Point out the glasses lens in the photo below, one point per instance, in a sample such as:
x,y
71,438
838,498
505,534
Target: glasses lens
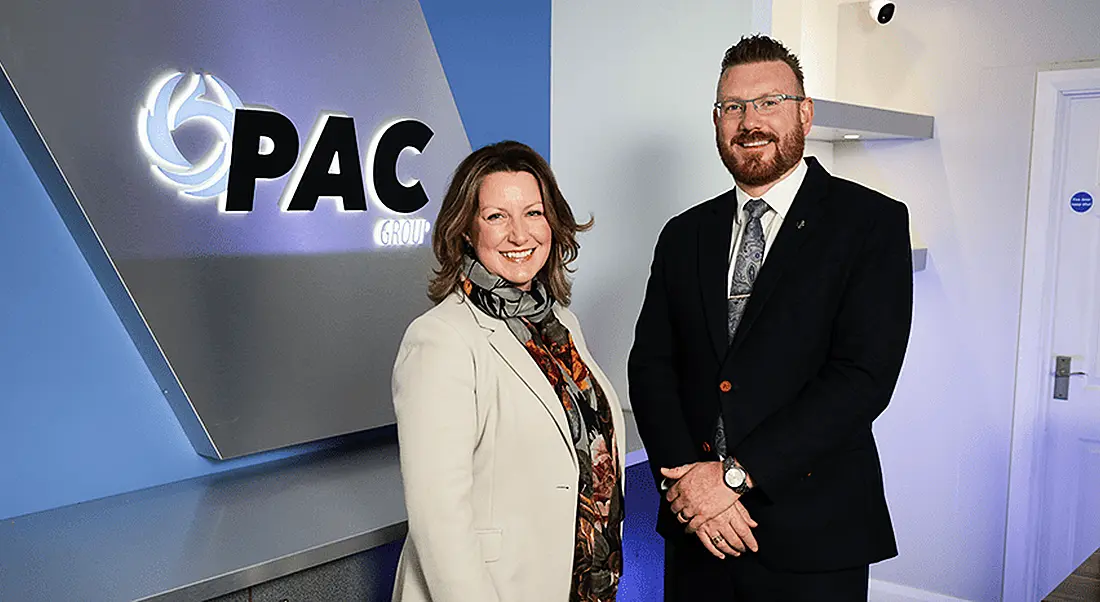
x,y
730,109
768,104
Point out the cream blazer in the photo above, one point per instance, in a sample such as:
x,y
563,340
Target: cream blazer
x,y
487,460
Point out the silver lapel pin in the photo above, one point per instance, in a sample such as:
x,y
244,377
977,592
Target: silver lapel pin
x,y
801,223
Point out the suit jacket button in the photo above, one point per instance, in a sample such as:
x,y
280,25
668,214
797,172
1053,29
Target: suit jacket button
x,y
706,447
725,386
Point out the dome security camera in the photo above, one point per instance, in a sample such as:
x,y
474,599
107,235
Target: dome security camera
x,y
882,11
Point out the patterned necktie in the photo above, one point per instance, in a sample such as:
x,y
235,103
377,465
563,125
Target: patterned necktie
x,y
750,254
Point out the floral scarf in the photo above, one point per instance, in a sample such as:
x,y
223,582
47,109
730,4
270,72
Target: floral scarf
x,y
597,552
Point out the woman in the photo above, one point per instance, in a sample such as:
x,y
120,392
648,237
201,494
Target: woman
x,y
511,438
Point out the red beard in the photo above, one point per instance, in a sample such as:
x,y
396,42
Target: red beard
x,y
758,171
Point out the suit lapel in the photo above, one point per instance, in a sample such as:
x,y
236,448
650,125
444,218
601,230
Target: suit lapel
x,y
519,360
714,251
801,221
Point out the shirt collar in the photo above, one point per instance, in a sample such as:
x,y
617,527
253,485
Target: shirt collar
x,y
779,197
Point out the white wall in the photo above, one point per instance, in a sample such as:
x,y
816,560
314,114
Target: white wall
x,y
632,143
945,439
808,28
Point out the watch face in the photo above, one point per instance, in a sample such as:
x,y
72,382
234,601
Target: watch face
x,y
735,477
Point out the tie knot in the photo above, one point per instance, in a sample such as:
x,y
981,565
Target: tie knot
x,y
756,208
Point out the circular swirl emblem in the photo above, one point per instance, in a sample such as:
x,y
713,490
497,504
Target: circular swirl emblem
x,y
174,100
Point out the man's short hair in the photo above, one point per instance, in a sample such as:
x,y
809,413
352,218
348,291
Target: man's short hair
x,y
762,49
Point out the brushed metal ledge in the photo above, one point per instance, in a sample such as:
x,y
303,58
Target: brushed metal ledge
x,y
209,536
217,534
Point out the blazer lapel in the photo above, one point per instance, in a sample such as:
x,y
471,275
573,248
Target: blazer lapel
x,y
519,360
714,251
801,221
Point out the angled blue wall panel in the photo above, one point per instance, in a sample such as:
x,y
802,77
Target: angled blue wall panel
x,y
496,55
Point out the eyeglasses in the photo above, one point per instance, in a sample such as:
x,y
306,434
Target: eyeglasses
x,y
764,105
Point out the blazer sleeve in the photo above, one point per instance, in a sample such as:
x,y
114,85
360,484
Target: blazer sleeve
x,y
435,401
870,333
652,375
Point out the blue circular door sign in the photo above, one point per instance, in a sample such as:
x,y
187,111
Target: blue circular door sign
x,y
1081,202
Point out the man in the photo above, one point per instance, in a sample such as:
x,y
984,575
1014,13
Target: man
x,y
772,333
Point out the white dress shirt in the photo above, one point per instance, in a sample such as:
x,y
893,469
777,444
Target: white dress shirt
x,y
779,198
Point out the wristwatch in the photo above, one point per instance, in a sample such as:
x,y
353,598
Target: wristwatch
x,y
734,476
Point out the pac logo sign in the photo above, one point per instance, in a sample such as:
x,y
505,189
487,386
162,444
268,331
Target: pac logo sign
x,y
200,98
256,143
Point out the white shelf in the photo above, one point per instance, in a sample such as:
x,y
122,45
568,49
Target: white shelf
x,y
834,120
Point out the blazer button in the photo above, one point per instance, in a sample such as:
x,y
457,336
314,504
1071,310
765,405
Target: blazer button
x,y
706,447
725,386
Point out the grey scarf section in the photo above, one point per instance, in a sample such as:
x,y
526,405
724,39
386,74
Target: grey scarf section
x,y
503,300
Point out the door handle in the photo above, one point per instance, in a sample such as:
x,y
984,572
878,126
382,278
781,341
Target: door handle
x,y
1062,372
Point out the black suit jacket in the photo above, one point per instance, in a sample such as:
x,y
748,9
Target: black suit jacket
x,y
814,362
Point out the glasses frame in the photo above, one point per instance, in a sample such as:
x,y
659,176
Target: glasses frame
x,y
722,113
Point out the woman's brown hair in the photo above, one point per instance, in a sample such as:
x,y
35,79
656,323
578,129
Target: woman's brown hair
x,y
460,207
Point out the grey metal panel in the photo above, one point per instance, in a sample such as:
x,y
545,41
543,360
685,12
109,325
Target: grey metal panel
x,y
211,536
305,365
264,329
920,259
833,120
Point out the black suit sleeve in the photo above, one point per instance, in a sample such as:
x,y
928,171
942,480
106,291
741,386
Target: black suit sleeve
x,y
870,333
651,372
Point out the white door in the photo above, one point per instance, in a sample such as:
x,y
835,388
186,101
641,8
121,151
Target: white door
x,y
1054,483
1069,525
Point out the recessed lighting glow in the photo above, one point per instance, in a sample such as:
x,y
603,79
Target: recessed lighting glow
x,y
851,136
